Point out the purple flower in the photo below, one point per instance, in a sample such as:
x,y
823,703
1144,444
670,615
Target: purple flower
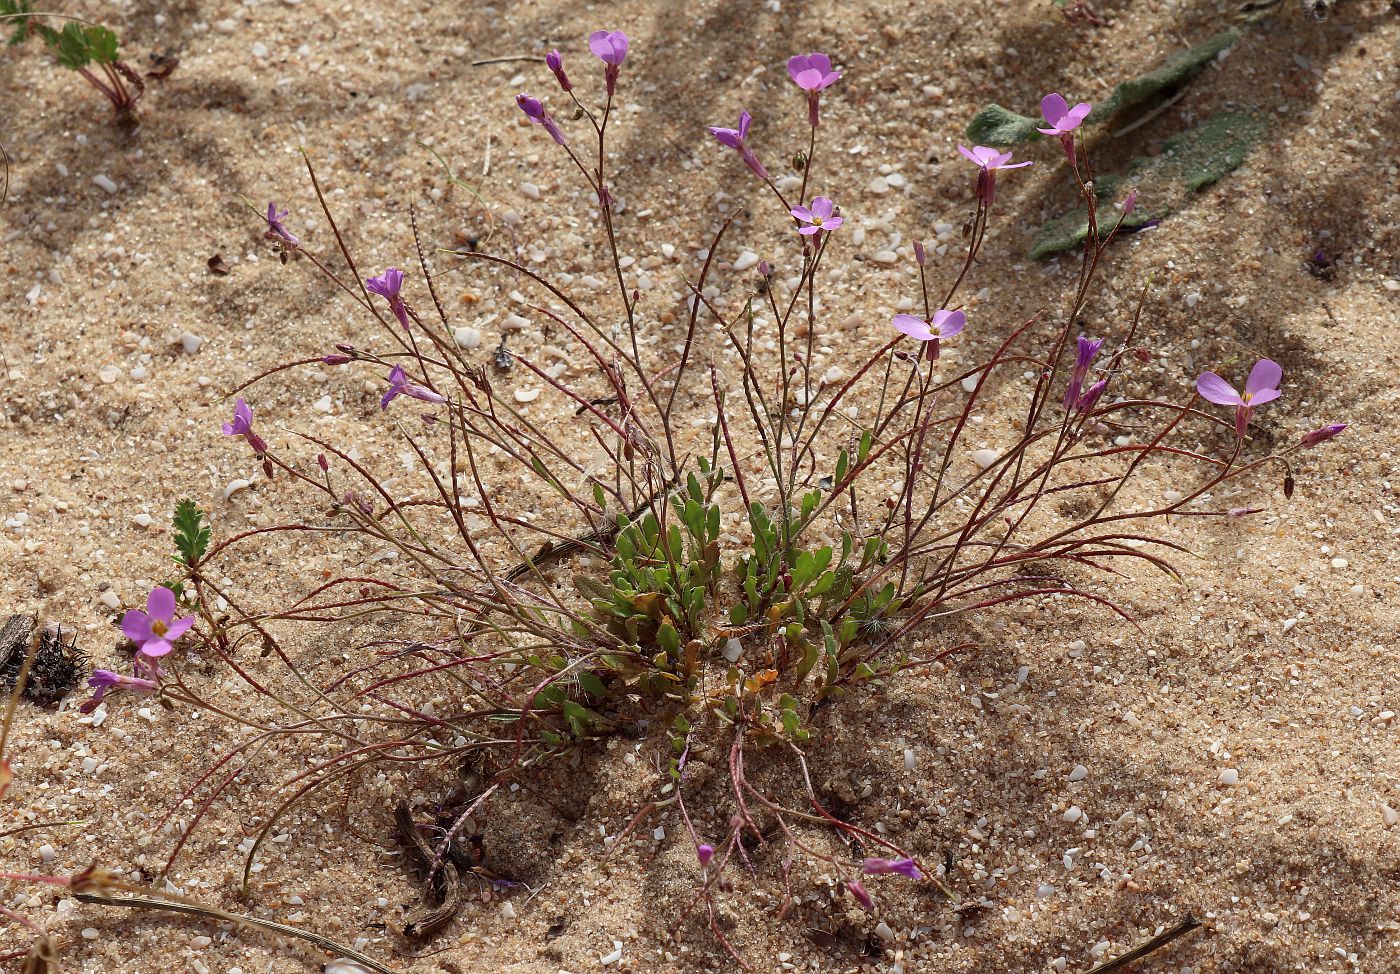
x,y
104,680
388,285
859,892
988,161
400,386
555,62
1063,120
944,324
903,867
704,852
610,47
242,425
1059,116
155,629
275,229
1323,435
817,218
1259,388
812,72
1088,348
536,113
735,139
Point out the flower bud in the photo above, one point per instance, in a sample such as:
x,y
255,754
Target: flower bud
x,y
1129,202
1323,435
704,852
919,254
335,359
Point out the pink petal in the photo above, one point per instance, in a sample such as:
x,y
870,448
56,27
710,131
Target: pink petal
x,y
971,156
1267,395
1080,112
161,603
803,214
1217,390
916,328
821,62
949,323
1266,374
1053,107
822,207
136,626
1054,131
832,222
155,647
1015,165
178,628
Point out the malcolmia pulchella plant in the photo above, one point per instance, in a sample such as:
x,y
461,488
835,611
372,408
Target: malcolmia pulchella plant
x,y
554,583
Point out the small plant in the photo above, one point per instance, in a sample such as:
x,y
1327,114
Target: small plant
x,y
89,49
726,582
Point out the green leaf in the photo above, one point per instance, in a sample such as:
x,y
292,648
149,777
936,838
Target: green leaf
x,y
102,45
668,639
1001,127
192,534
1189,162
592,685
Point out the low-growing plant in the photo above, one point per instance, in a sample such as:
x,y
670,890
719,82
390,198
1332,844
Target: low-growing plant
x,y
722,582
87,48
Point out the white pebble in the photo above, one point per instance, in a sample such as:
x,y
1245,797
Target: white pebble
x,y
467,337
89,933
508,910
883,931
234,486
1388,815
47,852
1340,563
1192,298
259,49
515,323
609,959
878,184
1059,964
143,520
110,600
527,395
530,190
89,765
323,405
110,187
190,342
896,180
1079,773
745,260
1044,891
1072,814
884,257
969,383
910,761
1229,777
733,649
200,942
985,458
343,965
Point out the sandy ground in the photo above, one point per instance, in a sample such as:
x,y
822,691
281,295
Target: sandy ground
x,y
1275,661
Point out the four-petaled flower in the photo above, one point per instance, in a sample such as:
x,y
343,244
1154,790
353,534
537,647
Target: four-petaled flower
x,y
388,285
988,162
902,867
1259,388
1323,435
536,113
812,72
103,680
1075,398
704,852
610,47
943,324
242,425
735,139
817,217
155,629
400,386
1063,120
275,229
555,62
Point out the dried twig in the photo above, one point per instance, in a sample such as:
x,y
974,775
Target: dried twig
x,y
1142,950
194,909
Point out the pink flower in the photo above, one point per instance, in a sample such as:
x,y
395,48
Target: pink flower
x,y
944,324
704,852
859,892
817,218
902,867
104,680
400,386
1060,117
812,72
1259,388
154,630
275,229
242,425
610,47
1323,435
388,285
735,139
535,112
1088,348
988,161
555,62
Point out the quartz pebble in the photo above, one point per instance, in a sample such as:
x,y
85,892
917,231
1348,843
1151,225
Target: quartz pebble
x,y
234,486
1079,773
883,931
745,260
467,337
200,942
105,183
527,395
530,190
1229,777
1072,814
1388,815
884,257
985,458
609,959
190,342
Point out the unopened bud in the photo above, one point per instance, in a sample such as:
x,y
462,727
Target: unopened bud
x,y
1323,435
335,359
919,254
